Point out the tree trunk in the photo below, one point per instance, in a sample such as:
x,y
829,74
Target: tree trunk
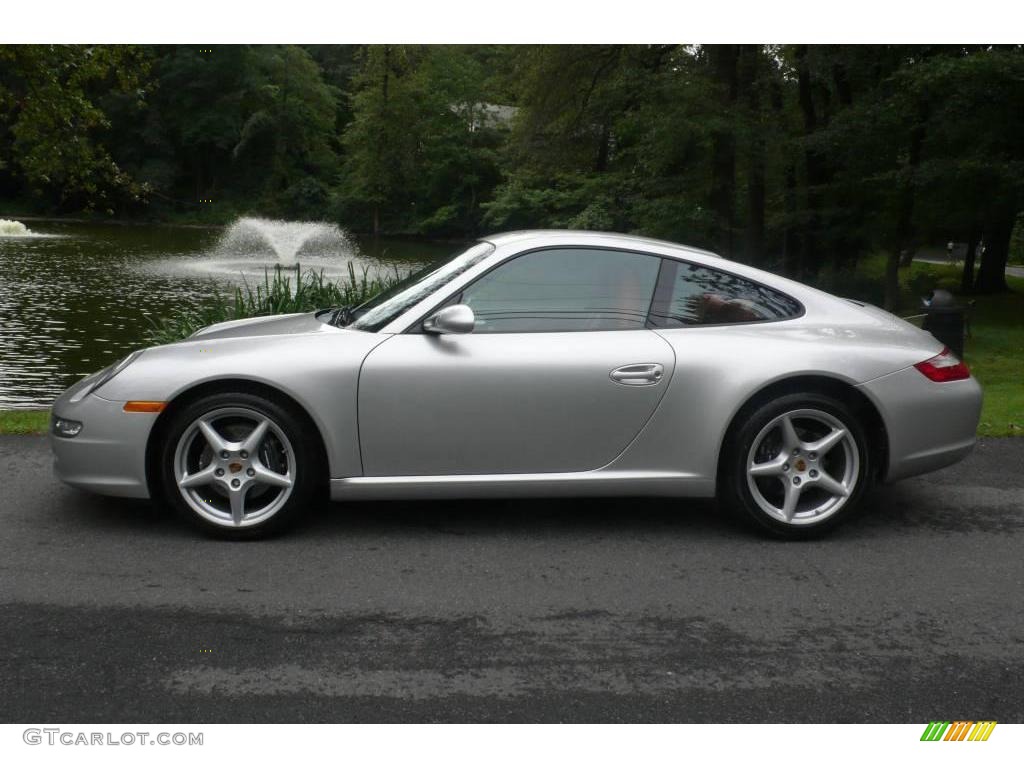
x,y
905,209
992,271
967,278
892,276
603,149
755,206
792,244
892,280
816,175
197,166
723,190
750,67
382,189
723,60
842,84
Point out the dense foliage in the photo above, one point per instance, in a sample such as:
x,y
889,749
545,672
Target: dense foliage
x,y
799,158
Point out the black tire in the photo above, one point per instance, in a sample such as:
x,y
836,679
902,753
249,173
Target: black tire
x,y
288,446
735,489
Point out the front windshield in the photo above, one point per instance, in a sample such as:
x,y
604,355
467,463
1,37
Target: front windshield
x,y
374,314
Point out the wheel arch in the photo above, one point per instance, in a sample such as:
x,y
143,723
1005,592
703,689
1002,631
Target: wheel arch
x,y
874,424
217,386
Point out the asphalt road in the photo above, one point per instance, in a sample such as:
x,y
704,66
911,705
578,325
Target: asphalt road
x,y
618,610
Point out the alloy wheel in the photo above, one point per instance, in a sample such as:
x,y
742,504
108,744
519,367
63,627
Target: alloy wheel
x,y
234,467
803,466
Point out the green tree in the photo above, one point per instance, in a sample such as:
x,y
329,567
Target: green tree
x,y
797,157
927,148
379,148
578,146
421,144
251,124
52,139
288,133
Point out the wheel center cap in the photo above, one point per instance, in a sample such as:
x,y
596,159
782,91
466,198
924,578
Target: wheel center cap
x,y
800,465
235,467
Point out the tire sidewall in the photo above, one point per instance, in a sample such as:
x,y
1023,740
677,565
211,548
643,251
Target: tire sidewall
x,y
737,491
306,465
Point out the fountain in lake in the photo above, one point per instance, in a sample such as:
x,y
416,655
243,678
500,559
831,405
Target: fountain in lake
x,y
9,228
251,246
283,239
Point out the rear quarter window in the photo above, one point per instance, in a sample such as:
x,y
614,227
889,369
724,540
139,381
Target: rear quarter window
x,y
692,294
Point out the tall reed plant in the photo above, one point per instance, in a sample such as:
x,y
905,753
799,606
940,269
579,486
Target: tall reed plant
x,y
284,290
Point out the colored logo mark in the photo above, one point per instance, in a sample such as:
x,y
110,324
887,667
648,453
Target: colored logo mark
x,y
958,730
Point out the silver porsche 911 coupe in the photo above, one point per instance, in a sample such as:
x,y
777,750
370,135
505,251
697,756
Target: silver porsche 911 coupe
x,y
545,363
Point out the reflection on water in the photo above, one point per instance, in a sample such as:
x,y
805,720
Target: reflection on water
x,y
75,297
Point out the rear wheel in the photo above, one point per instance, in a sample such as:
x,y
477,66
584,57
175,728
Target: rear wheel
x,y
798,466
236,466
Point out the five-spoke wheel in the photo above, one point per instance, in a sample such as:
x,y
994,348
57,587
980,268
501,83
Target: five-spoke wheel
x,y
233,465
802,466
236,464
797,463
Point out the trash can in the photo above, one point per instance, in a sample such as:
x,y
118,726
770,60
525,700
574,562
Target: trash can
x,y
944,319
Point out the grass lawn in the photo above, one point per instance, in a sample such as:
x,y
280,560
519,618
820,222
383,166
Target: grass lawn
x,y
995,351
24,422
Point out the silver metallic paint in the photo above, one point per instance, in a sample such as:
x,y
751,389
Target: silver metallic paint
x,y
108,455
455,319
531,414
504,403
930,425
315,364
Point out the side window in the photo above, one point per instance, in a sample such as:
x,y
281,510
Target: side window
x,y
689,294
565,289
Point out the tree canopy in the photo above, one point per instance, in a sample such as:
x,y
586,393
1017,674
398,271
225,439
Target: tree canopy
x,y
793,157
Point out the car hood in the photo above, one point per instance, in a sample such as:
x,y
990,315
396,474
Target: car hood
x,y
272,325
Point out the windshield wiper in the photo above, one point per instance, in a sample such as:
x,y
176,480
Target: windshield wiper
x,y
339,316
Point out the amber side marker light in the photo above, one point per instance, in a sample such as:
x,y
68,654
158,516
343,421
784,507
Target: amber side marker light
x,y
144,406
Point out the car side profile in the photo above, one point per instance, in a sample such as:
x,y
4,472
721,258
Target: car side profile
x,y
540,363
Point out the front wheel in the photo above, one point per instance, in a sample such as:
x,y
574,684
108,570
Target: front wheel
x,y
798,465
236,465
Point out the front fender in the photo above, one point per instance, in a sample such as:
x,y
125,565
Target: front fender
x,y
319,370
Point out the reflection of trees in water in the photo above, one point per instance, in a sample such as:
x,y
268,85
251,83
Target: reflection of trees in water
x,y
706,296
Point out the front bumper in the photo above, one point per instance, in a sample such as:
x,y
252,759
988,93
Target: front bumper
x,y
109,455
930,424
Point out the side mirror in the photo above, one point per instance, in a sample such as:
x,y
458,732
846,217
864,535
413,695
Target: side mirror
x,y
454,319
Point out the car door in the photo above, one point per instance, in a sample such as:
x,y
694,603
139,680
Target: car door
x,y
559,374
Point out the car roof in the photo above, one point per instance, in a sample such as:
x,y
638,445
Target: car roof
x,y
538,237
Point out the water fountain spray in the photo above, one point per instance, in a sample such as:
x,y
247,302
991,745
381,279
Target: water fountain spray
x,y
285,239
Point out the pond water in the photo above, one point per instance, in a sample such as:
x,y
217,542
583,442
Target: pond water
x,y
74,297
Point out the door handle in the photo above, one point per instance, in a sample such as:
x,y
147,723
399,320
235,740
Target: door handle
x,y
638,374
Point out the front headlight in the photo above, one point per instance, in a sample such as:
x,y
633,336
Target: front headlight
x,y
111,371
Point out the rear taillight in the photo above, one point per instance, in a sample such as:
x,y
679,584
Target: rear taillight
x,y
945,366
